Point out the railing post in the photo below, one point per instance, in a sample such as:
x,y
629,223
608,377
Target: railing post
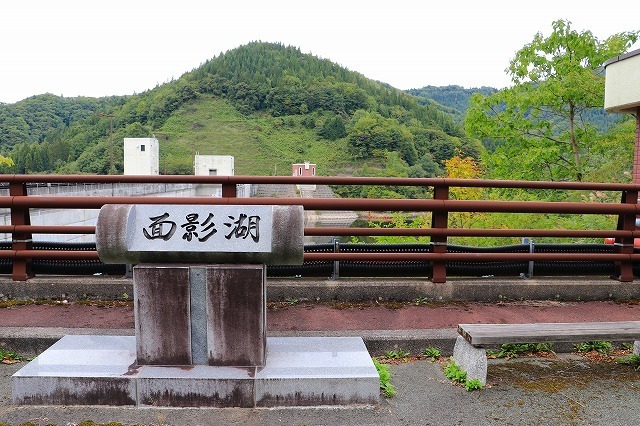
x,y
21,240
531,245
623,270
440,220
336,263
229,190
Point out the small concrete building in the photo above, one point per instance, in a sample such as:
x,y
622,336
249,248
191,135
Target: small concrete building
x,y
214,165
141,156
303,169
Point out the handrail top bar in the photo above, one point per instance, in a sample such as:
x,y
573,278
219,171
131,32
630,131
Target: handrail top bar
x,y
322,180
361,204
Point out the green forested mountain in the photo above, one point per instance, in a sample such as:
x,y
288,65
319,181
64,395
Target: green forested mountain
x,y
266,104
456,98
34,118
456,101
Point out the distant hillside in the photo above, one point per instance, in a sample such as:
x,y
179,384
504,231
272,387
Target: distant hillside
x,y
269,105
36,118
456,98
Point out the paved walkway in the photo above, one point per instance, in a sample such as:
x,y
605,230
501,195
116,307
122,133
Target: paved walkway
x,y
569,390
340,316
532,391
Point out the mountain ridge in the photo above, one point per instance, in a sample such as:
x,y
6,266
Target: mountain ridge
x,y
279,104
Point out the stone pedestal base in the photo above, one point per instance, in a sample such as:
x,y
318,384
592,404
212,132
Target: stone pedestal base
x,y
102,370
200,314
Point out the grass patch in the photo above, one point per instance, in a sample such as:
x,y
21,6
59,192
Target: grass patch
x,y
384,372
599,346
632,360
261,144
514,350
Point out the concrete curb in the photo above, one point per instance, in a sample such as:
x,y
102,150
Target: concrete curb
x,y
351,289
30,341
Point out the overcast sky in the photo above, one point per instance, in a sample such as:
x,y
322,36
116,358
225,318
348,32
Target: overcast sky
x,y
116,47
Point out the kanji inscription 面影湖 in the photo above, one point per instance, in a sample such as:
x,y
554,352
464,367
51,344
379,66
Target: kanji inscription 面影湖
x,y
206,228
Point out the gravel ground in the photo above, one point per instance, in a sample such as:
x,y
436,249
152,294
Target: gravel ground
x,y
568,390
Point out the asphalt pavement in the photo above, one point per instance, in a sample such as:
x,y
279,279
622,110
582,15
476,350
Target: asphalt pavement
x,y
568,389
524,391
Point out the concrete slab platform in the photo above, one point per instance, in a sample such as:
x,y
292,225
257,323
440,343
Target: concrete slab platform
x,y
195,386
87,370
101,370
317,371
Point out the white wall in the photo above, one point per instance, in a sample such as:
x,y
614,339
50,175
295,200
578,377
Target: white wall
x,y
220,165
141,156
87,217
622,83
213,165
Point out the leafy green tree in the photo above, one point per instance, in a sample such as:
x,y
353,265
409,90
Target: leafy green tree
x,y
333,128
426,167
287,98
556,79
372,134
612,155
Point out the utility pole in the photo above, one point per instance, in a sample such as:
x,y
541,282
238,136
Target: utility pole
x,y
100,114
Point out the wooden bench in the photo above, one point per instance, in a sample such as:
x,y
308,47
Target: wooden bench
x,y
470,355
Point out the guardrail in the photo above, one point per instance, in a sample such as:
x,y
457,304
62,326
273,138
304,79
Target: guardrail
x,y
22,253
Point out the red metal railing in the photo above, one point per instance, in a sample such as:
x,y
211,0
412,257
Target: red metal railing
x,y
440,206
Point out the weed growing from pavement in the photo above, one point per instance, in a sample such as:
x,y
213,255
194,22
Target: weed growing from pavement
x,y
397,354
385,379
632,360
105,303
599,346
8,357
421,301
82,301
432,354
10,303
474,384
453,372
389,304
514,350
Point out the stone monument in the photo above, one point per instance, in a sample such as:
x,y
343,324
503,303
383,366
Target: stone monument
x,y
200,320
